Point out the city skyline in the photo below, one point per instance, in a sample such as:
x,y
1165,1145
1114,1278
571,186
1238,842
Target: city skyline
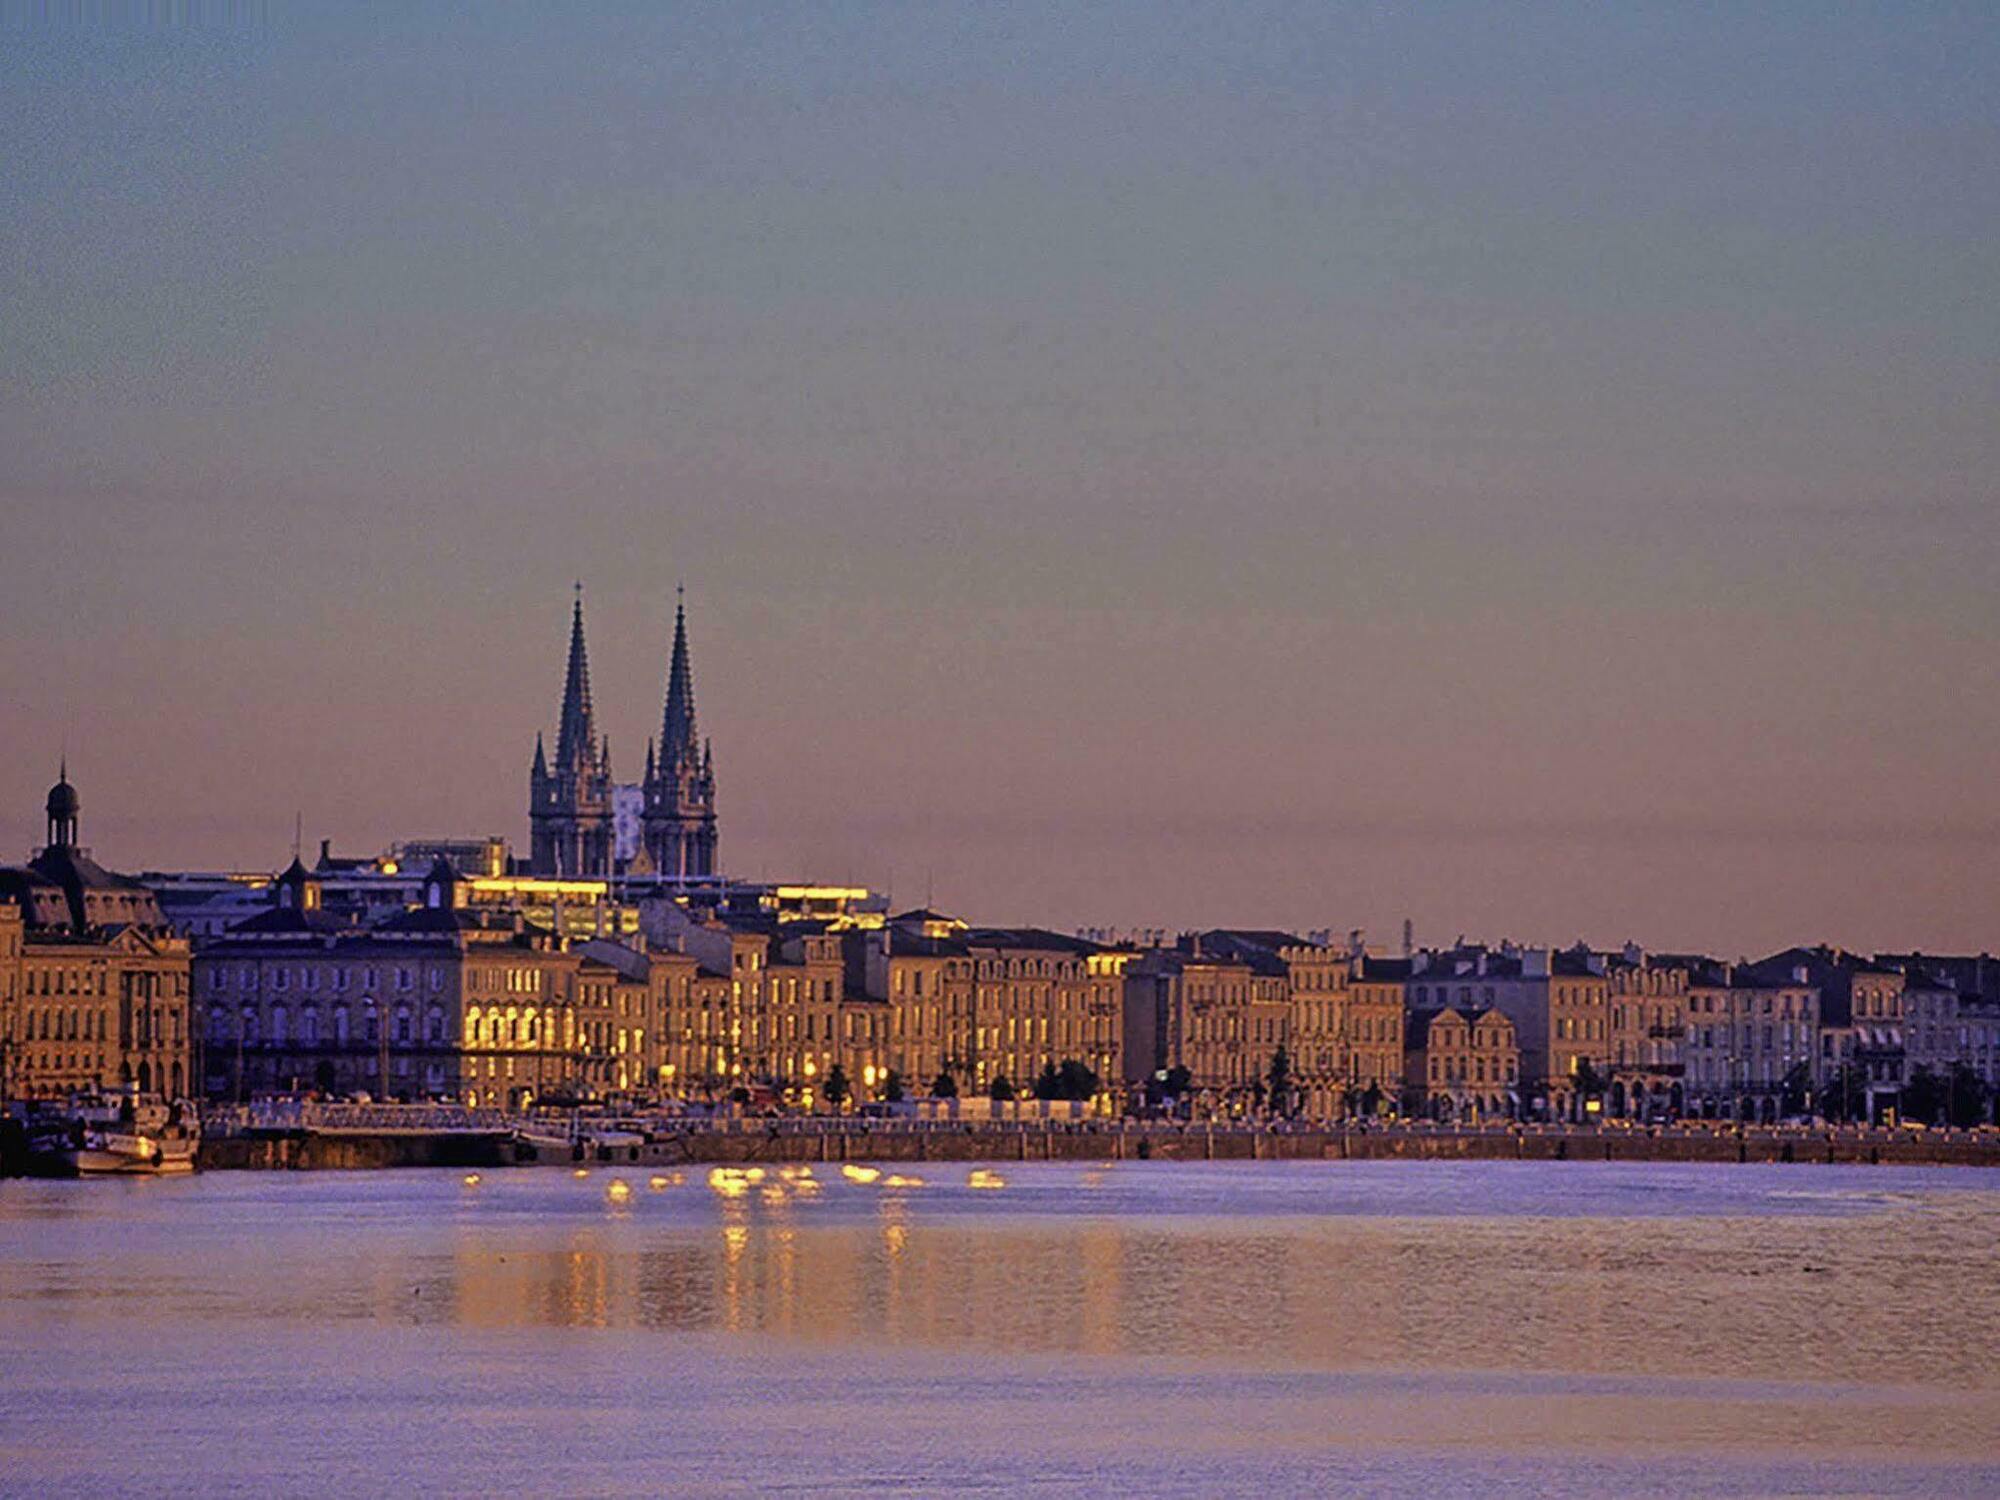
x,y
1525,473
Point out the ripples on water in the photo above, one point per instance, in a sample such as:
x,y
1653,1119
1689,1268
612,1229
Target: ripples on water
x,y
1196,1327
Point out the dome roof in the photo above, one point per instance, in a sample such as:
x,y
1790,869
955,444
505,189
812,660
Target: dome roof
x,y
63,800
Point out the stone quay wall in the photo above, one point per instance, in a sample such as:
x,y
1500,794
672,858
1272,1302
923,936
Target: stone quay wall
x,y
744,1143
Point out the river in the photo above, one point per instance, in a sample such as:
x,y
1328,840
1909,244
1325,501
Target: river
x,y
1139,1328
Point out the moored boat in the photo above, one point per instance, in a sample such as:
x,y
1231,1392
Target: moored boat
x,y
121,1135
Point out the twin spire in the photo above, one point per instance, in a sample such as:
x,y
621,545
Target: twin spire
x,y
578,746
572,803
576,731
677,731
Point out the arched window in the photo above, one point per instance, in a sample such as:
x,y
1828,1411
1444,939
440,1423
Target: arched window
x,y
218,1024
278,1020
370,1025
309,1026
340,1025
434,1025
472,1027
249,1024
403,1024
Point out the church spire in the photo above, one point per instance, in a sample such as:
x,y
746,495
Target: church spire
x,y
677,736
541,756
576,734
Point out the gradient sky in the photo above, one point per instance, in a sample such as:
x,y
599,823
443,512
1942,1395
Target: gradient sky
x,y
1526,468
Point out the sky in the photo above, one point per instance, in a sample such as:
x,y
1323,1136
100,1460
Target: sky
x,y
1529,469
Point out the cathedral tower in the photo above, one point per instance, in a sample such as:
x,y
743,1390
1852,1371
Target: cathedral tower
x,y
569,803
680,780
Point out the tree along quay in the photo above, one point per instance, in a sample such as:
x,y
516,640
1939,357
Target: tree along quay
x,y
748,1142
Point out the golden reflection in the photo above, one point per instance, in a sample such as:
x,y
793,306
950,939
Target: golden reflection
x,y
900,1180
1748,1297
472,1179
985,1180
735,1241
618,1191
659,1181
581,1172
860,1174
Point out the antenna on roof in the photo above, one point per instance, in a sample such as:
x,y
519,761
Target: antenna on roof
x,y
298,832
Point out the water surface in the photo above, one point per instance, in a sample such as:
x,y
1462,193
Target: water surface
x,y
1491,1327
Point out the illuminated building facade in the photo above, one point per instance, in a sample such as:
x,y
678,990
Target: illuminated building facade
x,y
93,984
1648,1068
1460,1065
1374,1033
439,1001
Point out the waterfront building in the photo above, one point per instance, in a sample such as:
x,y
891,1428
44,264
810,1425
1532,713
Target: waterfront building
x,y
440,1000
1860,1019
1040,999
12,940
1316,1035
1648,1033
1315,994
1949,1029
95,993
1752,1045
920,968
1931,1042
1460,1065
1220,1013
1979,1045
765,1006
1374,1031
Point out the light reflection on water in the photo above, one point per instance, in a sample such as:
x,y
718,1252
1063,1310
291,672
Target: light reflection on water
x,y
1640,1310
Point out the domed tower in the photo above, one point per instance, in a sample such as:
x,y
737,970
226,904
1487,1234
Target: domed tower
x,y
63,807
569,803
680,829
